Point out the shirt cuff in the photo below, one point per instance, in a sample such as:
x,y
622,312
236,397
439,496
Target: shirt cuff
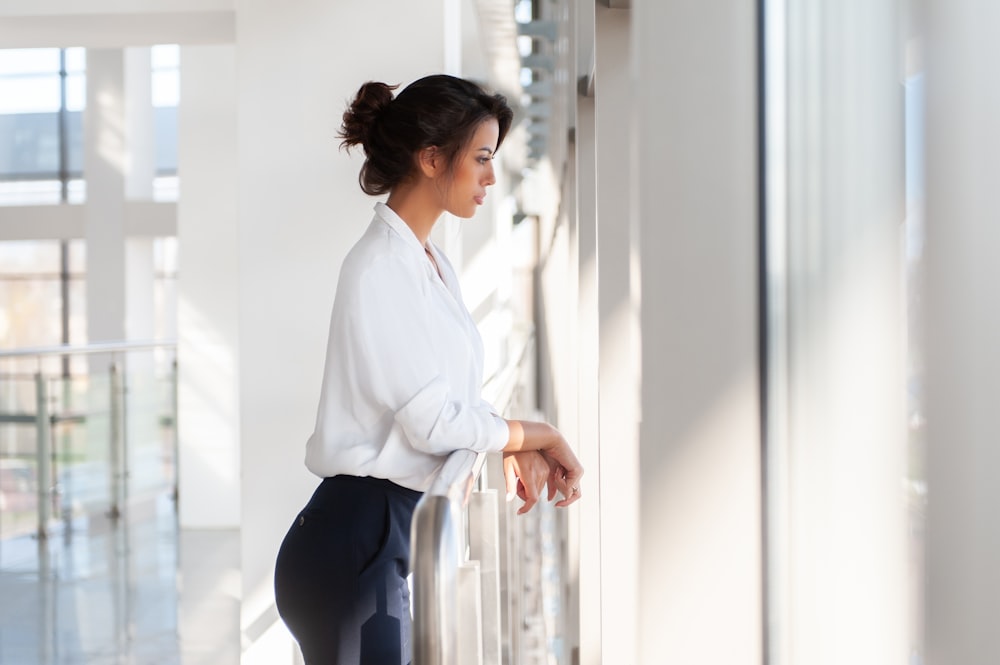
x,y
499,435
435,424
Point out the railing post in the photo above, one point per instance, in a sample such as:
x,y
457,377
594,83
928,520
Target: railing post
x,y
435,592
174,386
484,547
115,442
495,478
63,443
470,623
43,451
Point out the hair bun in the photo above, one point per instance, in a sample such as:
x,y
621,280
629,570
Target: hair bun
x,y
371,101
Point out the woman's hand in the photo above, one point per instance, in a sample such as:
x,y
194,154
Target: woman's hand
x,y
565,469
526,474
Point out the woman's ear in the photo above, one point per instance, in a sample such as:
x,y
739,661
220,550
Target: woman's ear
x,y
430,160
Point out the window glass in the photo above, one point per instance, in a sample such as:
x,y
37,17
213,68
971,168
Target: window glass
x,y
32,127
76,79
166,87
166,92
29,294
29,80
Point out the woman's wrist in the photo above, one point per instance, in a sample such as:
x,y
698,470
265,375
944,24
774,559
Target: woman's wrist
x,y
528,435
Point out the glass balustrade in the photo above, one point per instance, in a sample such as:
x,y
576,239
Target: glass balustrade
x,y
85,439
88,514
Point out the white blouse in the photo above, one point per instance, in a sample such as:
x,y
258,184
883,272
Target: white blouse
x,y
404,367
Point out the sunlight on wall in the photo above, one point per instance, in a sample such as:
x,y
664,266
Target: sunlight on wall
x,y
208,422
111,140
704,519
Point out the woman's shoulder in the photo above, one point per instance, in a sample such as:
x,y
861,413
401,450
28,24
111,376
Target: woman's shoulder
x,y
379,254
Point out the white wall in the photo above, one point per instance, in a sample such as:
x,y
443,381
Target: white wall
x,y
694,140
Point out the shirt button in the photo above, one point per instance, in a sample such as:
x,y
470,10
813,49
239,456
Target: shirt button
x,y
302,520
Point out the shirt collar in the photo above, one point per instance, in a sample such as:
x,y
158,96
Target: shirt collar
x,y
389,216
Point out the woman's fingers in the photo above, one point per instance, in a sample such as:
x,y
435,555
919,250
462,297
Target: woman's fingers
x,y
569,487
510,474
526,474
567,472
530,499
553,480
572,495
531,479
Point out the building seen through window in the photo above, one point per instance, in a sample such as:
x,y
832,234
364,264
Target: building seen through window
x,y
43,103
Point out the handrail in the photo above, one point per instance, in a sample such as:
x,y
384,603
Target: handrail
x,y
94,347
436,554
436,545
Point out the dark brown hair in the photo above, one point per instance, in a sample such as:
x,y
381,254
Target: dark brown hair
x,y
440,110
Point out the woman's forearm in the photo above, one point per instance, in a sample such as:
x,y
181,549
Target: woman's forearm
x,y
529,435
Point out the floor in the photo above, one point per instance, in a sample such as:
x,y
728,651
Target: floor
x,y
134,591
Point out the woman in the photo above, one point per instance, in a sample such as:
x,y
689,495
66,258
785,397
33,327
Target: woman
x,y
403,377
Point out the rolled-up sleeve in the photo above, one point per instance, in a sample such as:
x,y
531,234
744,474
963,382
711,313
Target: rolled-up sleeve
x,y
435,423
398,341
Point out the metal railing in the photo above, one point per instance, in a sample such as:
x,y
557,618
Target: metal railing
x,y
459,542
437,560
94,412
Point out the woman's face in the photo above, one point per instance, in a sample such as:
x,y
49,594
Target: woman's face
x,y
473,171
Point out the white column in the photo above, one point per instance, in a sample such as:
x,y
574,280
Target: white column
x,y
300,211
140,130
617,387
563,102
104,165
208,347
140,316
208,290
962,327
140,269
588,349
142,387
139,165
700,519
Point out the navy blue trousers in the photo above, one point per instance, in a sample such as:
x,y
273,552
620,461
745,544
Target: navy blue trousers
x,y
340,576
